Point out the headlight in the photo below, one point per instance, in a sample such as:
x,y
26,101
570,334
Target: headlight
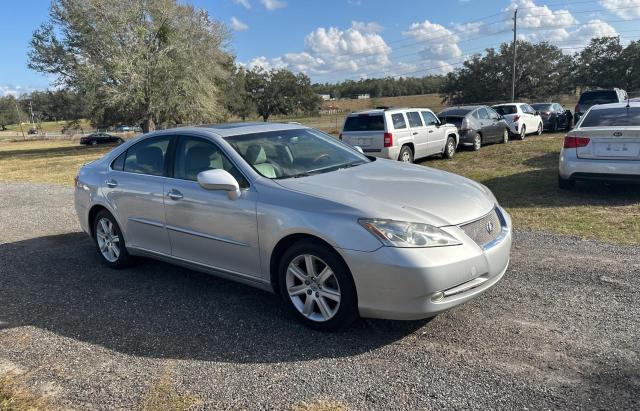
x,y
404,234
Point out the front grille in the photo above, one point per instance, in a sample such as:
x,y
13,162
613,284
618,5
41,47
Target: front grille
x,y
484,230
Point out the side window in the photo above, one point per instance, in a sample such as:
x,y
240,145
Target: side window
x,y
147,157
429,118
414,119
194,155
492,114
530,109
118,163
484,115
476,114
398,121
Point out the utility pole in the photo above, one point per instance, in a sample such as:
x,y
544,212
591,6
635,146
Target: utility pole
x,y
513,78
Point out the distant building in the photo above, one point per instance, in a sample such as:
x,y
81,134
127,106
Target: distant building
x,y
325,97
363,96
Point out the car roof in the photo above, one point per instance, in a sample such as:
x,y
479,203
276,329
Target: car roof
x,y
616,105
238,128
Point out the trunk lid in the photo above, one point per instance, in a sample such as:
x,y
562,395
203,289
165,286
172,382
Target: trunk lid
x,y
605,143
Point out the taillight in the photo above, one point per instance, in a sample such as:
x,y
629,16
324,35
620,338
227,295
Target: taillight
x,y
575,142
577,108
516,118
388,139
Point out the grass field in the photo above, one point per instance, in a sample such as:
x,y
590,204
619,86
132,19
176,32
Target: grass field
x,y
522,175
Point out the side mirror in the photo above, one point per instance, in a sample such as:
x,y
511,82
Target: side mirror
x,y
218,179
358,149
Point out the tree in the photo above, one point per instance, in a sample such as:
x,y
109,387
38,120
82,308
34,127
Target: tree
x,y
599,64
279,91
9,112
239,99
149,61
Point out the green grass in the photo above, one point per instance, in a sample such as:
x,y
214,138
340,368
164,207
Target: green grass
x,y
48,126
522,175
15,397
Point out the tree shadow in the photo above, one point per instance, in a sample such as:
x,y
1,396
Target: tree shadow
x,y
54,151
159,310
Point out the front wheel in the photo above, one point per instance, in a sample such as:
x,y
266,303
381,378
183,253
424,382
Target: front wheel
x,y
94,143
406,155
109,241
449,148
317,286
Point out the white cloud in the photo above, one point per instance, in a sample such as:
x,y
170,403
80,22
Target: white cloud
x,y
238,25
440,46
625,9
273,4
353,51
11,90
243,3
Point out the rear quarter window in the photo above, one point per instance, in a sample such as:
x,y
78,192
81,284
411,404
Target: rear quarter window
x,y
364,123
398,121
414,119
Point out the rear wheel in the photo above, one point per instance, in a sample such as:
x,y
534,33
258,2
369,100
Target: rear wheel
x,y
406,155
505,136
539,131
109,241
317,286
477,142
449,148
554,126
566,183
523,132
94,142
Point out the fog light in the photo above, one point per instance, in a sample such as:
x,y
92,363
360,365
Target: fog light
x,y
437,297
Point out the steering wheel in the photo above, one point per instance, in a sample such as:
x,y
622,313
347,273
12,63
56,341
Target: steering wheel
x,y
323,156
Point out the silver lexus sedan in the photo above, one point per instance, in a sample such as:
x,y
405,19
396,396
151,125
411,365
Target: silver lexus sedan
x,y
291,210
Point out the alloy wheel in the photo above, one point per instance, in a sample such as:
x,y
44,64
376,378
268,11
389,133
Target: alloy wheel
x,y
539,131
505,136
313,288
451,148
523,133
477,142
406,157
108,240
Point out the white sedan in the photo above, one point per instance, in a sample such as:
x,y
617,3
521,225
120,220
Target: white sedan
x,y
604,145
522,119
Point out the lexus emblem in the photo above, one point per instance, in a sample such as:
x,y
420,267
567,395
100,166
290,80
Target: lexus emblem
x,y
489,227
617,134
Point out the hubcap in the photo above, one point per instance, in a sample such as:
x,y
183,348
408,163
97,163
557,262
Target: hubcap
x,y
108,240
406,157
451,148
505,136
313,288
477,142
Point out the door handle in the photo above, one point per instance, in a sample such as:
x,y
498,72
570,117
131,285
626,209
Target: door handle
x,y
430,131
415,133
175,194
111,183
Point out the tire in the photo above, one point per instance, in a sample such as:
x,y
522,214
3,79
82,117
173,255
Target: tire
x,y
505,136
540,129
523,132
109,241
477,142
449,148
406,154
332,301
566,184
94,142
120,141
555,127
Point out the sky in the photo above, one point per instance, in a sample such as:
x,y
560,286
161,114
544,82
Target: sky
x,y
334,40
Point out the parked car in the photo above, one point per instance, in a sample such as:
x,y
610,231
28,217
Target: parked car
x,y
522,119
100,138
554,116
477,125
604,145
402,134
122,129
292,210
592,97
32,130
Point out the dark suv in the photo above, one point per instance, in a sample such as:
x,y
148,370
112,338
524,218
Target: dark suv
x,y
592,97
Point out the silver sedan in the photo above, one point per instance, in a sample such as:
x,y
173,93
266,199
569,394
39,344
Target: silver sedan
x,y
291,210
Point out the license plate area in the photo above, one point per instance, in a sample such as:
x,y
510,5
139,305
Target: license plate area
x,y
617,149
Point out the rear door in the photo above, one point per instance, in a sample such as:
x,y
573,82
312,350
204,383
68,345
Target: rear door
x,y
612,134
364,130
486,125
420,134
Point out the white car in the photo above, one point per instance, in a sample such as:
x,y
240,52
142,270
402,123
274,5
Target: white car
x,y
604,145
402,134
522,119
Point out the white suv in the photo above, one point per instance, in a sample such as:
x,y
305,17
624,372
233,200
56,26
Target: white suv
x,y
522,119
400,133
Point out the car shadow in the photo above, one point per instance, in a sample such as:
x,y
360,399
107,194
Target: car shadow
x,y
158,310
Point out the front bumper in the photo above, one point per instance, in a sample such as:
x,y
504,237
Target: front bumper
x,y
404,283
591,169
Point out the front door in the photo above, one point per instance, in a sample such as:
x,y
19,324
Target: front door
x,y
134,187
206,226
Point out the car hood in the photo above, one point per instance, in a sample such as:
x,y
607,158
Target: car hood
x,y
394,190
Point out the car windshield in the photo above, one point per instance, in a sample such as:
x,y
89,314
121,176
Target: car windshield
x,y
364,122
616,117
598,97
294,153
542,107
504,110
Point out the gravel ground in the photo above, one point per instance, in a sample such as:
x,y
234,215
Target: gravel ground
x,y
560,331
